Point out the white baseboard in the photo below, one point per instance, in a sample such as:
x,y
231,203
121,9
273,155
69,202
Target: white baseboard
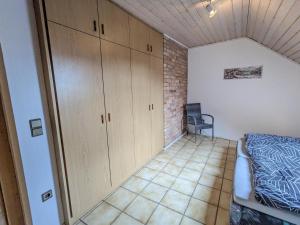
x,y
179,137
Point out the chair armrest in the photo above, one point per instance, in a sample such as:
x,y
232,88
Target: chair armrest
x,y
193,118
212,118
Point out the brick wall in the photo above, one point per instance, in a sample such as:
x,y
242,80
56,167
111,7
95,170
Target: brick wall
x,y
175,89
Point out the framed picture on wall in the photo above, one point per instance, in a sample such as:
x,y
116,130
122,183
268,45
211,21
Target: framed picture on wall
x,y
251,72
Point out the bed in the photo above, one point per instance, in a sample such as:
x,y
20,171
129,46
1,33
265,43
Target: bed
x,y
266,186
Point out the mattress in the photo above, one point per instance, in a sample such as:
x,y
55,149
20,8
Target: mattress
x,y
244,192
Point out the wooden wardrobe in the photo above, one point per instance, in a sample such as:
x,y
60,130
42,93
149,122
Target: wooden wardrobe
x,y
104,77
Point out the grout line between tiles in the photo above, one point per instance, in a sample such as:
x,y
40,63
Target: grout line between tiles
x,y
139,194
221,189
80,220
160,170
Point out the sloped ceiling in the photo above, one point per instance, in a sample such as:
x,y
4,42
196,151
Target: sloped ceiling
x,y
273,23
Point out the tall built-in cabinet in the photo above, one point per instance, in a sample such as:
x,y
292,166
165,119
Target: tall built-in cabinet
x,y
141,87
118,103
105,81
157,114
79,89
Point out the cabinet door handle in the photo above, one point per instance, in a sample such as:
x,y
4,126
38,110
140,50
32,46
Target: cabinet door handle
x,y
102,119
95,25
152,107
149,107
102,28
108,117
150,48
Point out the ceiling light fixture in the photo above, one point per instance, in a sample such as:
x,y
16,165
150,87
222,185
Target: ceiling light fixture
x,y
211,10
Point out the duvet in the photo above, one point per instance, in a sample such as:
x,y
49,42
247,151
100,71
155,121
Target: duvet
x,y
276,170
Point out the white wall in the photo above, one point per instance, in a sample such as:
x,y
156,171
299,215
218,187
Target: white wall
x,y
267,105
18,39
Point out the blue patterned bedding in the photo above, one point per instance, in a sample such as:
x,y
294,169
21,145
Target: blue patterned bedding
x,y
276,170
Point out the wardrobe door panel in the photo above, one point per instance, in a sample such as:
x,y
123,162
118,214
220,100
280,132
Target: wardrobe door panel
x,y
156,69
114,23
140,65
118,99
139,35
78,14
156,42
78,81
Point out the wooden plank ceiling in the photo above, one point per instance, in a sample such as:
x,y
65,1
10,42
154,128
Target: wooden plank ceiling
x,y
273,23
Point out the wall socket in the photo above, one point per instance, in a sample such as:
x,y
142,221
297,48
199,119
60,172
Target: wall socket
x,y
47,195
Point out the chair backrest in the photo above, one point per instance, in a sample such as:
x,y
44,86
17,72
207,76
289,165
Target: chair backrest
x,y
194,109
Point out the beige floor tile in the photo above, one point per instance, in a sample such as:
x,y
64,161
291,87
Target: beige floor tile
x,y
218,155
147,173
232,151
188,150
202,211
211,181
141,209
121,198
135,184
231,157
164,179
202,153
191,143
156,165
176,201
181,155
178,145
220,149
172,148
228,174
189,174
178,162
184,186
222,140
222,217
172,151
199,158
222,144
195,166
216,162
207,194
230,165
207,141
123,219
163,157
225,200
205,147
154,192
77,223
233,144
172,170
213,170
227,186
104,214
188,221
164,216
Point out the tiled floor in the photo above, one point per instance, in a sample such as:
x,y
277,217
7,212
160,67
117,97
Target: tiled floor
x,y
188,184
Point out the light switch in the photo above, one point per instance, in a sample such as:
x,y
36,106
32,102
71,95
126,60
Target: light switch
x,y
36,127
